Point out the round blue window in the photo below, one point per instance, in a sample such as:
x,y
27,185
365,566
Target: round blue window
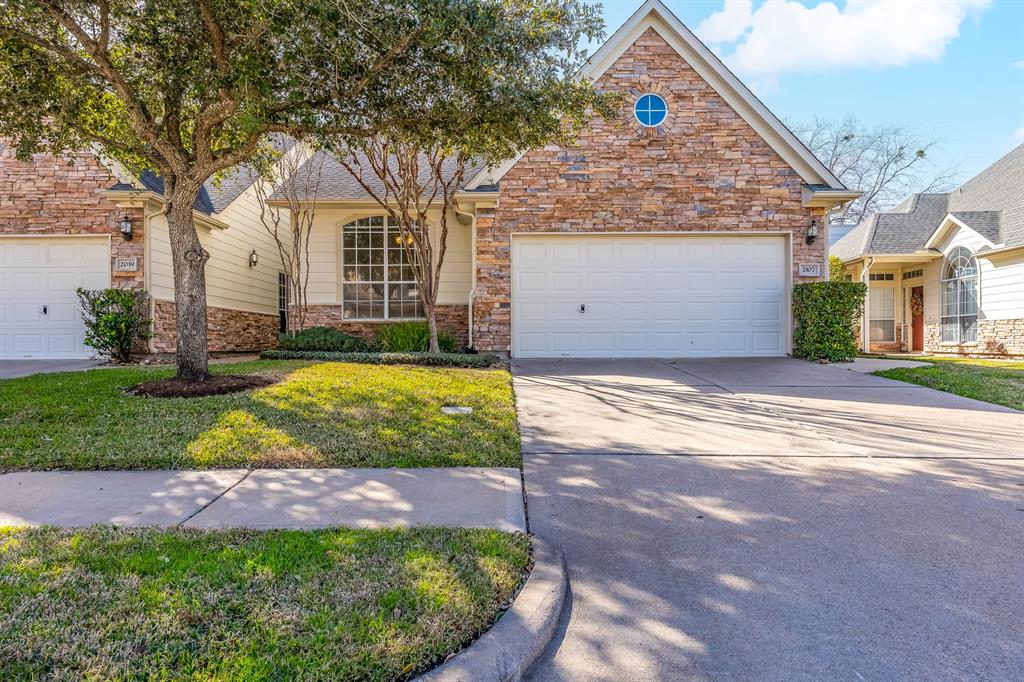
x,y
650,110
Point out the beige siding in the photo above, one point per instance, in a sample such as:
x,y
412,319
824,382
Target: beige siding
x,y
230,282
325,257
1001,278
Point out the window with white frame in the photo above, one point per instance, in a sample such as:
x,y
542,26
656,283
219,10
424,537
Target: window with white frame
x,y
378,280
882,304
960,297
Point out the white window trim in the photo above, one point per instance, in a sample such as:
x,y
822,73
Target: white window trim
x,y
342,282
873,316
942,299
636,113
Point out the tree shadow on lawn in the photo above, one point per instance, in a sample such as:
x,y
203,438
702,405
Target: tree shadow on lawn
x,y
324,414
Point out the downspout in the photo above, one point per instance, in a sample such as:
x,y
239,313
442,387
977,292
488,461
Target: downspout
x,y
865,332
472,286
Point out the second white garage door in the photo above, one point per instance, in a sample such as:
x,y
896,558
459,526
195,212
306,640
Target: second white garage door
x,y
39,310
649,296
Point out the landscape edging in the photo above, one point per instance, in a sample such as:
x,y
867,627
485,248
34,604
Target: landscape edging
x,y
506,651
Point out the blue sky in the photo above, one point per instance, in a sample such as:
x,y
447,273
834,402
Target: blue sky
x,y
950,69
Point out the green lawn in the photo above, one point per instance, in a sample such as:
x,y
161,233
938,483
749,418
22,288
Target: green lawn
x,y
993,381
320,415
105,603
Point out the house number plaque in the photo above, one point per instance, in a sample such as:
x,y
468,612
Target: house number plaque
x,y
126,264
810,269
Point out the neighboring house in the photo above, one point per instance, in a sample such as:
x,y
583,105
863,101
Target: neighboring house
x,y
677,228
60,228
946,271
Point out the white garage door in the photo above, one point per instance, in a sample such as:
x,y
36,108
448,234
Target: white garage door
x,y
647,296
39,312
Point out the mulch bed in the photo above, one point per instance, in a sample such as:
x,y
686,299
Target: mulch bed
x,y
217,384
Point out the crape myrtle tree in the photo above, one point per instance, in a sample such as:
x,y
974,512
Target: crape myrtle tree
x,y
192,88
286,188
510,84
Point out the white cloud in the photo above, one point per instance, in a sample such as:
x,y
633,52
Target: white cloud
x,y
1019,64
729,24
1018,136
783,36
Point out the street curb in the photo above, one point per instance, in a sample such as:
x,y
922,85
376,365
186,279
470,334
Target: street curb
x,y
506,651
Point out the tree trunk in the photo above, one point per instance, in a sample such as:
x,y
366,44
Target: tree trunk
x,y
434,347
189,258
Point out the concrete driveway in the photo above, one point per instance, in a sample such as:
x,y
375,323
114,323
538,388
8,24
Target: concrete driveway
x,y
12,369
774,519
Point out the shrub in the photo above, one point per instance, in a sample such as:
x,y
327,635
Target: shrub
x,y
825,316
412,337
322,338
116,320
420,358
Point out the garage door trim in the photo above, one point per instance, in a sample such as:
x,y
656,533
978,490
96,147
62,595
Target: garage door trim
x,y
787,249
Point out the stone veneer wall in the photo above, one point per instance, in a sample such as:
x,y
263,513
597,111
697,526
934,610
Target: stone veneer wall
x,y
704,170
228,330
49,195
454,318
995,337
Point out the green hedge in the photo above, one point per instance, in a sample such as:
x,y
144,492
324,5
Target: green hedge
x,y
322,338
430,359
825,317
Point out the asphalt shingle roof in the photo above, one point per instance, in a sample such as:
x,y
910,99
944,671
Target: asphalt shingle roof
x,y
991,203
336,183
215,195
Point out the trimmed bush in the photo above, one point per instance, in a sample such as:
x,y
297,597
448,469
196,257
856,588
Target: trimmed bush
x,y
421,358
322,338
412,337
825,317
116,320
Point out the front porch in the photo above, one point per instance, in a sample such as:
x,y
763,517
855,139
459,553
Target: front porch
x,y
902,308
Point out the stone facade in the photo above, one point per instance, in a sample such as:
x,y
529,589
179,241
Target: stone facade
x,y
995,337
454,318
228,330
49,195
704,170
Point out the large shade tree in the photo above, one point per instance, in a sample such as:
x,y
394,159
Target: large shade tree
x,y
191,88
511,84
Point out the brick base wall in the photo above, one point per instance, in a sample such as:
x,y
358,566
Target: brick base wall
x,y
228,330
454,318
995,337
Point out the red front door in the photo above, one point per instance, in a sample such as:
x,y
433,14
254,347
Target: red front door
x,y
917,308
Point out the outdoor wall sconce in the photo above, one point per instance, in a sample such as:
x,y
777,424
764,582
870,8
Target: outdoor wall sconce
x,y
254,258
125,226
812,231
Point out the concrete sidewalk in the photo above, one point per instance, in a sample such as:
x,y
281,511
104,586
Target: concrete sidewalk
x,y
267,498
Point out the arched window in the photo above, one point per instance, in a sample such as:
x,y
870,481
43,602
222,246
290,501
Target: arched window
x,y
378,281
960,297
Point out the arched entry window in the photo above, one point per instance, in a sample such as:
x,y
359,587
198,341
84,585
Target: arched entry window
x,y
960,297
378,281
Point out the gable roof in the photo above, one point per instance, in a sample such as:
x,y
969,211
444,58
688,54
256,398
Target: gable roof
x,y
653,14
991,203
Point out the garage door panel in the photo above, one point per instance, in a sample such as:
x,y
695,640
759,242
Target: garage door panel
x,y
565,282
46,272
649,296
